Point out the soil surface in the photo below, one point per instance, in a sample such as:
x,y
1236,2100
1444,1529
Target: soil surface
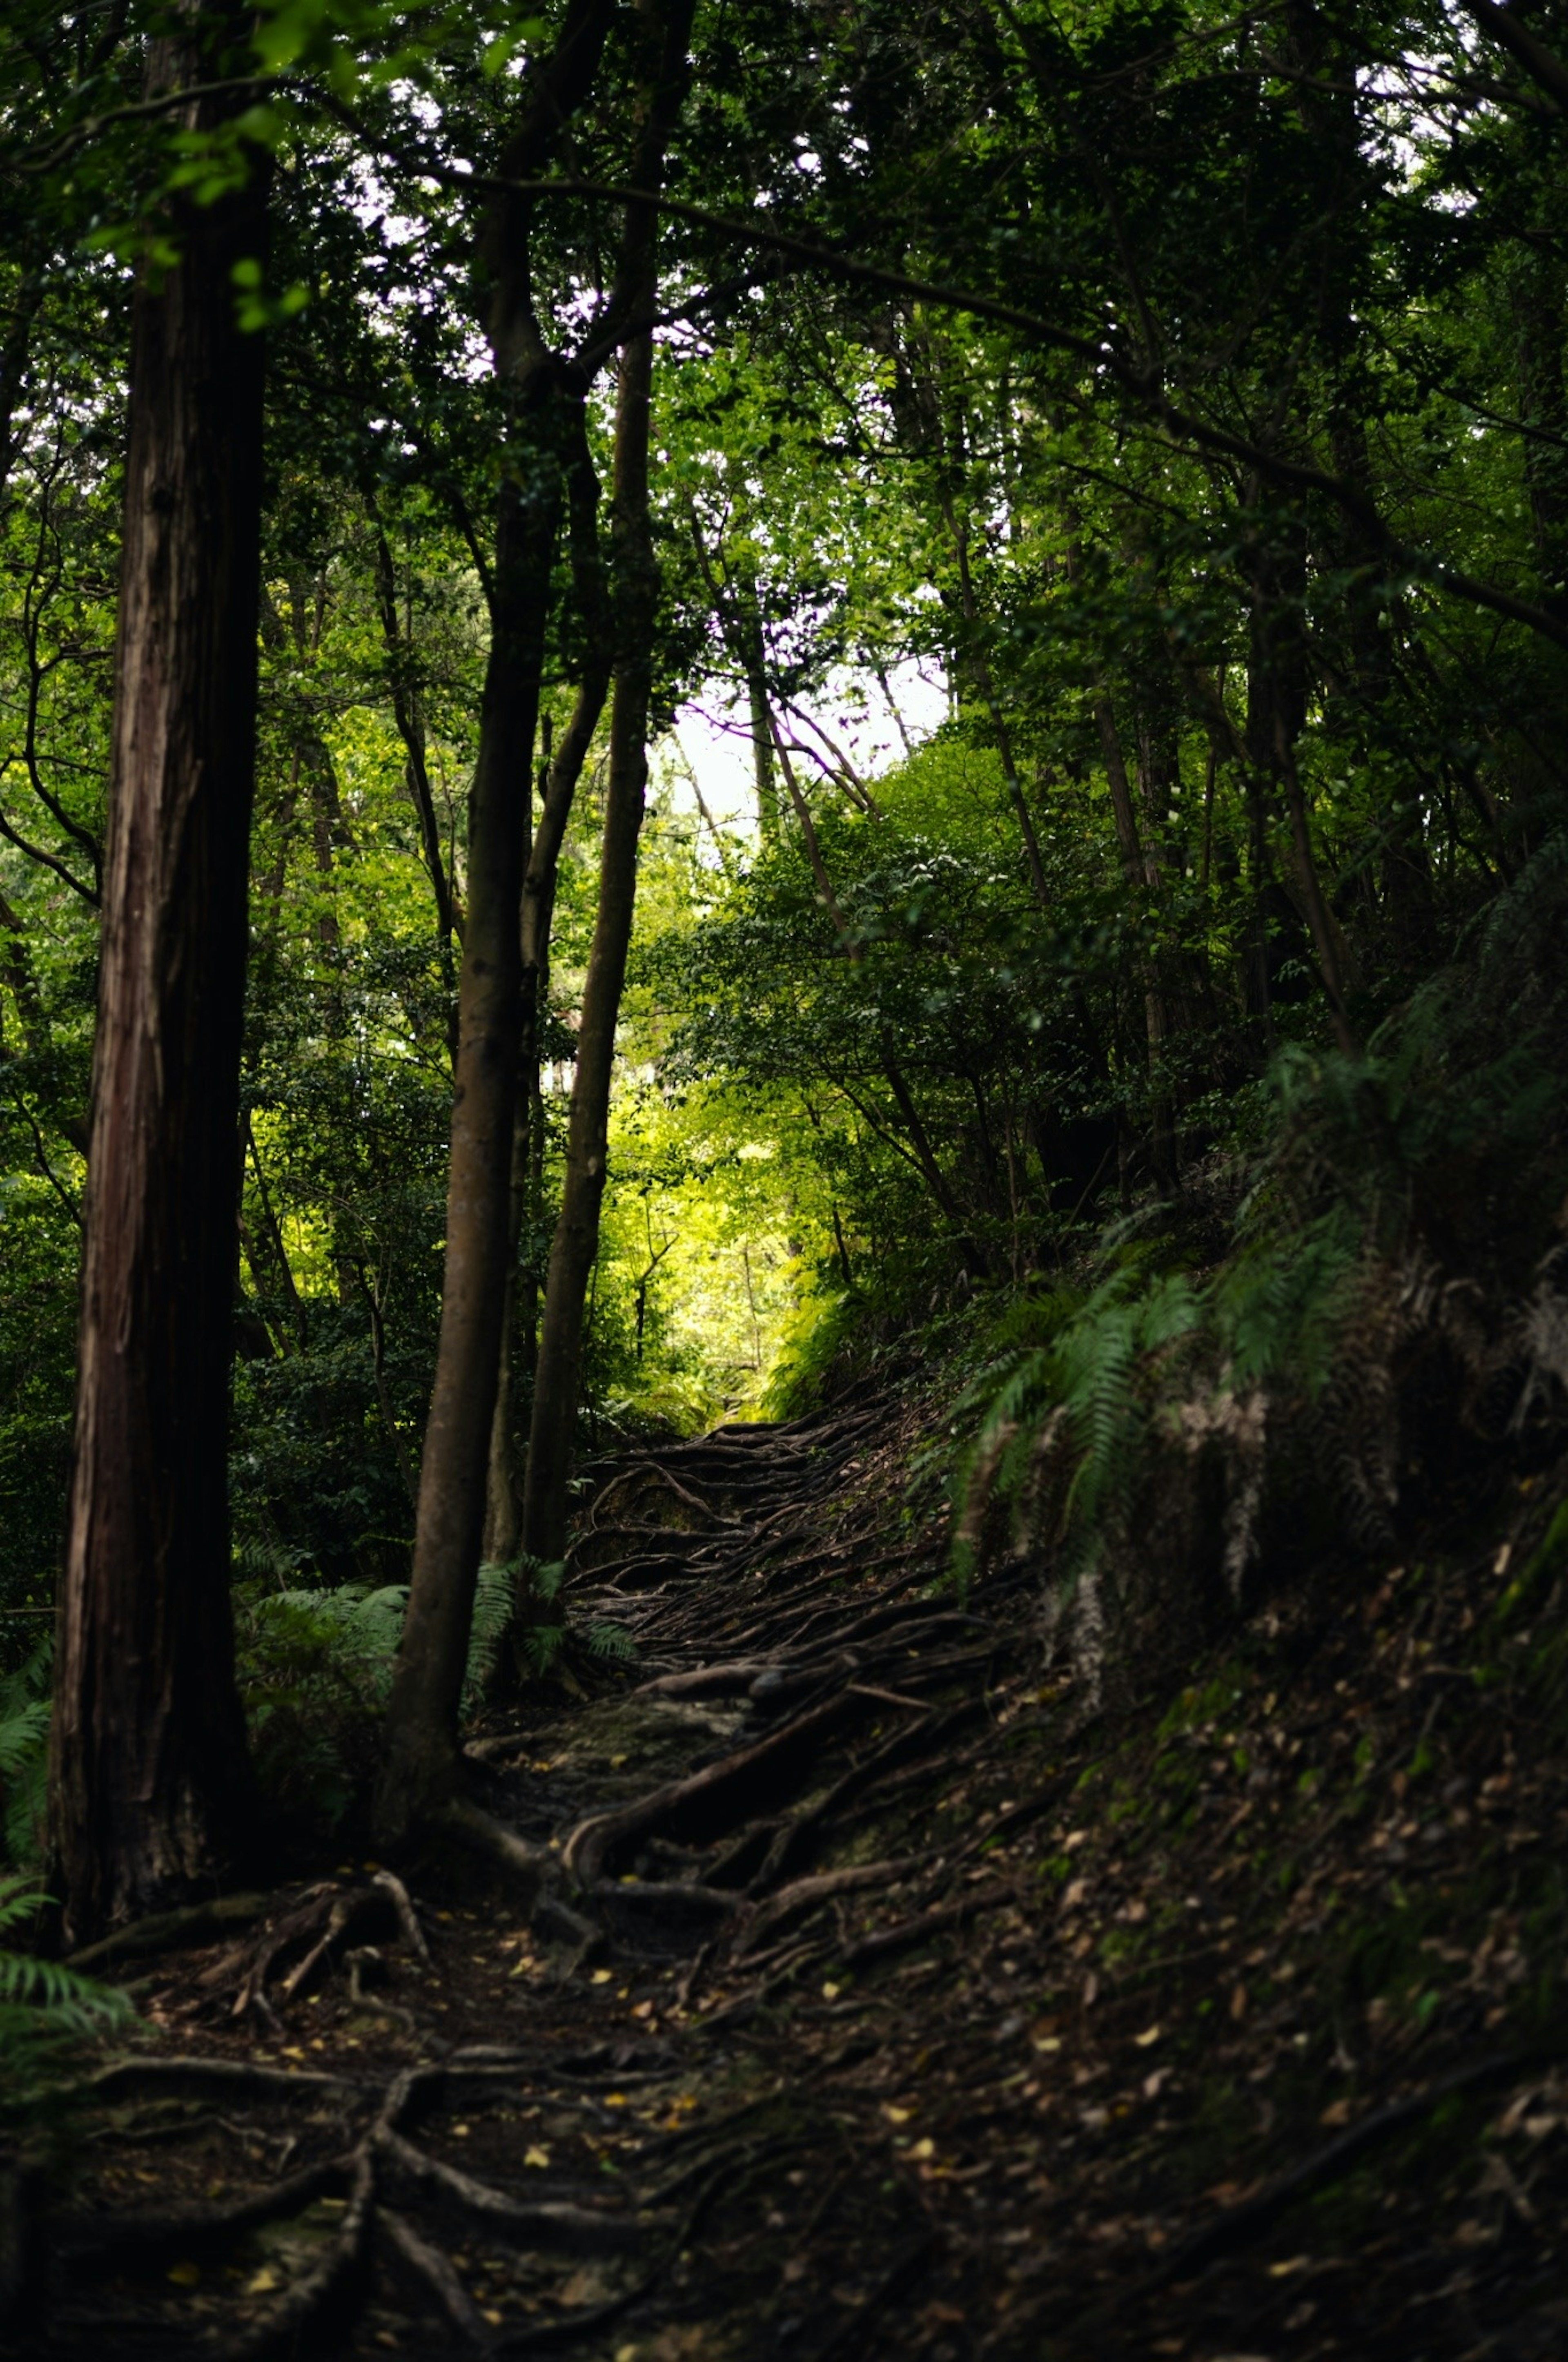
x,y
860,1986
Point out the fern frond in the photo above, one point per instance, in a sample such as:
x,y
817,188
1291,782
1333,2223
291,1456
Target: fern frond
x,y
542,1643
21,1736
493,1601
45,2007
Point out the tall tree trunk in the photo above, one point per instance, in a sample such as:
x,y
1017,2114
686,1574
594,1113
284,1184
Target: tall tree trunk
x,y
575,1242
978,666
427,1683
150,1782
503,1493
664,39
419,1772
1141,871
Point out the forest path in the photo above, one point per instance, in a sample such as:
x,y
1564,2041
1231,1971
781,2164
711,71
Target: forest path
x,y
886,2002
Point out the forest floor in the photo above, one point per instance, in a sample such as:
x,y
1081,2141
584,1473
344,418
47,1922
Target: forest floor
x,y
886,1995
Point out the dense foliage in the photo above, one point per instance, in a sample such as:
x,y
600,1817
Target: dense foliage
x,y
1184,390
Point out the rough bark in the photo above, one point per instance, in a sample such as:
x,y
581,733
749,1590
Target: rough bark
x,y
149,1789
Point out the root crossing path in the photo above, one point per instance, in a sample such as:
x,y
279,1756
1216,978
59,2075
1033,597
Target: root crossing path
x,y
764,2015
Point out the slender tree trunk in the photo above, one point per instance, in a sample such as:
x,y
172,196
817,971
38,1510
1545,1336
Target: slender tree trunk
x,y
150,1782
980,669
1141,870
420,1774
449,1529
411,730
754,657
575,1242
503,1513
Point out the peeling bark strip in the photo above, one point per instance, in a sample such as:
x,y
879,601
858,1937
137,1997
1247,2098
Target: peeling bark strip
x,y
150,1782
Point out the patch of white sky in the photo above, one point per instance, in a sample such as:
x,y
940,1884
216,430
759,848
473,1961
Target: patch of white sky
x,y
864,722
871,721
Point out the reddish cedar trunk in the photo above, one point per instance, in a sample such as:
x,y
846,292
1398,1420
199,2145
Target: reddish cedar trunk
x,y
576,1241
150,1783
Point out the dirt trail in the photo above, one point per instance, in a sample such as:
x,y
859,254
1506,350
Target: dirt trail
x,y
858,1991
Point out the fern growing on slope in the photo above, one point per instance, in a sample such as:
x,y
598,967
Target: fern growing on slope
x,y
540,1639
1393,1287
1065,1420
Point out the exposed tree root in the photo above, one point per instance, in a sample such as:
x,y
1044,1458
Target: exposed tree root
x,y
142,1939
438,2274
548,2224
151,2230
898,1939
326,1921
530,1865
711,1802
285,2324
807,1893
220,2078
852,1815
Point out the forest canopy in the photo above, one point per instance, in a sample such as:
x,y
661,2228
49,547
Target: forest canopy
x,y
1106,470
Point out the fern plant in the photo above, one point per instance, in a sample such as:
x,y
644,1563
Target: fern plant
x,y
535,1587
46,2013
1067,1417
1277,1307
24,1754
315,1671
